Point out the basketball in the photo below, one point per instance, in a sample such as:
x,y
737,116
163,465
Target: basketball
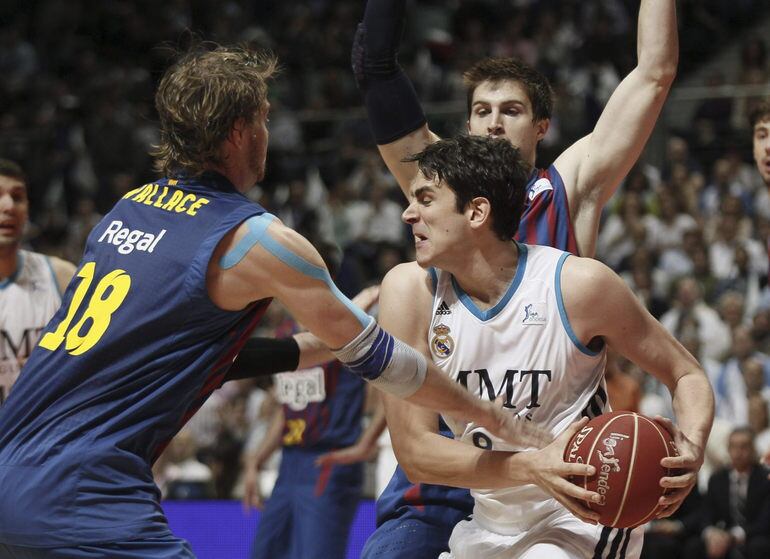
x,y
626,448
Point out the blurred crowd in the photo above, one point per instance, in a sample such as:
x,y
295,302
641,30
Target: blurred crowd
x,y
688,234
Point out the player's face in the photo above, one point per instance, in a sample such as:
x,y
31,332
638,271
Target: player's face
x,y
437,226
14,210
258,139
762,149
741,450
504,110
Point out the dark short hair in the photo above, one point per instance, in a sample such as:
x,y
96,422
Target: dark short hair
x,y
13,170
199,100
742,430
496,70
473,166
759,113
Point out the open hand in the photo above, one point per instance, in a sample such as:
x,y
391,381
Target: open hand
x,y
552,474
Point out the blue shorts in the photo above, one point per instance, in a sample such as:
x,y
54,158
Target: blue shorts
x,y
310,511
168,547
408,538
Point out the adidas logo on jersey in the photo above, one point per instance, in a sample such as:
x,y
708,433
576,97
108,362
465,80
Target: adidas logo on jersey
x,y
443,309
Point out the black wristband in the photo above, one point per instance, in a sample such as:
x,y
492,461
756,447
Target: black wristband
x,y
263,357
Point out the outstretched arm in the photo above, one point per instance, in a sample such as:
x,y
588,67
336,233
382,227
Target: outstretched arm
x,y
395,115
594,166
262,258
599,304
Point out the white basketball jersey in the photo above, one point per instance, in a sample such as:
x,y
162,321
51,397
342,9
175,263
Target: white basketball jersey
x,y
523,350
28,300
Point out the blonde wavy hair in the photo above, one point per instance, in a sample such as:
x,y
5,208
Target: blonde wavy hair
x,y
200,98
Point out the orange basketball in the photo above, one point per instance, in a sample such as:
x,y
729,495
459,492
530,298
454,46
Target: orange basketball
x,y
626,449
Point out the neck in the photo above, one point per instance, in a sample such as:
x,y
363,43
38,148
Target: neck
x,y
241,178
9,259
486,270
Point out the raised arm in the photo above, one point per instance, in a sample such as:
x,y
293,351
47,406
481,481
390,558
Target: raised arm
x,y
262,258
594,166
599,304
395,115
428,457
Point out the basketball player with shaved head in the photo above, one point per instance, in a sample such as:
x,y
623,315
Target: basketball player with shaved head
x,y
506,99
172,282
530,325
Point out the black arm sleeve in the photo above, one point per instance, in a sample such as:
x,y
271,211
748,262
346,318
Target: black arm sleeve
x,y
264,356
391,101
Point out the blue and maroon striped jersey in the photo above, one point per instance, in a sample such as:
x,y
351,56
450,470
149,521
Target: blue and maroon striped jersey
x,y
135,349
545,221
331,421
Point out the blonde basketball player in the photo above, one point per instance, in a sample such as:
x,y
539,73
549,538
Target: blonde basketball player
x,y
529,325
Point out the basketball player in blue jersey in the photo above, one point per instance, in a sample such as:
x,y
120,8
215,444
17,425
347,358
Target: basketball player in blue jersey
x,y
31,284
311,508
530,325
172,282
506,99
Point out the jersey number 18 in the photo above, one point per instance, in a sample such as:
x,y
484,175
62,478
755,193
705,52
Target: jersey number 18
x,y
105,300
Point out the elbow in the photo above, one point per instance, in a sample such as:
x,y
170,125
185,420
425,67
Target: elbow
x,y
662,73
413,473
410,464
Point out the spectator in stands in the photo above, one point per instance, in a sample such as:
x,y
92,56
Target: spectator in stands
x,y
689,308
736,512
664,538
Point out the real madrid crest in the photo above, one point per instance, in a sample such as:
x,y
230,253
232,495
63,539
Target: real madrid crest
x,y
442,343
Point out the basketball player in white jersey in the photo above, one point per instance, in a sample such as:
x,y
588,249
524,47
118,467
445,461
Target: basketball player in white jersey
x,y
529,325
30,283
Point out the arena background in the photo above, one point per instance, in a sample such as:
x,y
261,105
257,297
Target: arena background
x,y
76,111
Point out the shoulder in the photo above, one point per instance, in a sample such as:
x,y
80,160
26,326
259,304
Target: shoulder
x,y
408,275
281,244
63,271
588,285
587,272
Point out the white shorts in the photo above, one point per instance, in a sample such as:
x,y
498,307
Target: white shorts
x,y
559,536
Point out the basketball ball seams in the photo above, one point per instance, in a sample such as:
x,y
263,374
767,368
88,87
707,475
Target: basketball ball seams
x,y
631,466
631,460
664,442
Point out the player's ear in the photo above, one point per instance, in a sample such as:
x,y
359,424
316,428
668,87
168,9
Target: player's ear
x,y
238,132
542,126
478,211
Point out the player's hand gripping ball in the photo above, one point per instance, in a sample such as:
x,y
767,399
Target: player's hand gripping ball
x,y
626,448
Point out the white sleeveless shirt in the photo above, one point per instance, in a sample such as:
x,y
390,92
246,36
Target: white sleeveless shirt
x,y
523,349
28,300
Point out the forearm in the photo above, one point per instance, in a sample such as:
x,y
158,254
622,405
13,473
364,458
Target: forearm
x,y
439,393
391,101
374,429
658,40
693,403
312,351
269,444
433,458
265,356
